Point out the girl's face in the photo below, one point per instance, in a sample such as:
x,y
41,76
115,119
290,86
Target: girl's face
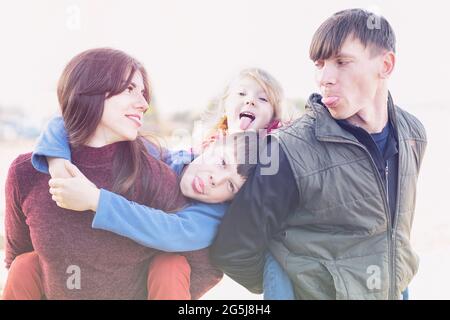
x,y
212,177
122,115
247,106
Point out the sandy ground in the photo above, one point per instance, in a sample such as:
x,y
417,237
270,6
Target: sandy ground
x,y
431,230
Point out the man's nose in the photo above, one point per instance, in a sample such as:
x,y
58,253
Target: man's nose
x,y
326,76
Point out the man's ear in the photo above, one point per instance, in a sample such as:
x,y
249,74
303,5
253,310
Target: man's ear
x,y
388,64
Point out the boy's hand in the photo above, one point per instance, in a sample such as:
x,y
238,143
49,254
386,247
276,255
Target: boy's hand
x,y
75,193
57,168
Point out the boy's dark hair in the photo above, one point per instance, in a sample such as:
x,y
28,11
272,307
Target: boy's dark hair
x,y
246,147
371,29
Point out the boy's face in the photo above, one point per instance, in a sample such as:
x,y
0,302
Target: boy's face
x,y
350,81
212,177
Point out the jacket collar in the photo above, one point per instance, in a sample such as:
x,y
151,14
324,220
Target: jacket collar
x,y
326,126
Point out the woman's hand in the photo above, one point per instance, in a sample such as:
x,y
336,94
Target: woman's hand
x,y
75,193
57,168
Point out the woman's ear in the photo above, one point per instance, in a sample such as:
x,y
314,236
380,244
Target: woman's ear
x,y
388,64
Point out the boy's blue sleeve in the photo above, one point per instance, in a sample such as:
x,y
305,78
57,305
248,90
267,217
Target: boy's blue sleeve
x,y
191,228
176,160
53,142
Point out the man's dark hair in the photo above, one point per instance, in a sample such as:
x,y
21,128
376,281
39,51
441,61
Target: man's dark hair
x,y
371,29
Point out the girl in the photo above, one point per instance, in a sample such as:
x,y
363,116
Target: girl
x,y
103,94
252,101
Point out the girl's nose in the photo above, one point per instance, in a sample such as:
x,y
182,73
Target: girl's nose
x,y
249,102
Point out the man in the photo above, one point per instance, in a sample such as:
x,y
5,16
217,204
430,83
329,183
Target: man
x,y
337,215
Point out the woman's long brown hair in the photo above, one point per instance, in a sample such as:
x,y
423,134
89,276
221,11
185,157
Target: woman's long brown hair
x,y
87,81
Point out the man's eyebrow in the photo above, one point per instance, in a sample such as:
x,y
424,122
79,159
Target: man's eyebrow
x,y
344,55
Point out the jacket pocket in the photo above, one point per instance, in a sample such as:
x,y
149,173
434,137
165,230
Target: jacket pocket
x,y
311,278
363,277
407,266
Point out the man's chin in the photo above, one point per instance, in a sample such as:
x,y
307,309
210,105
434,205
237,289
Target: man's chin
x,y
335,115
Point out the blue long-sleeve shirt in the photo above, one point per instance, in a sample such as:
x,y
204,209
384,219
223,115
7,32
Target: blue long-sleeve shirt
x,y
191,228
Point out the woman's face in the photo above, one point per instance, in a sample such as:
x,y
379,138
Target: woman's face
x,y
122,115
212,177
247,106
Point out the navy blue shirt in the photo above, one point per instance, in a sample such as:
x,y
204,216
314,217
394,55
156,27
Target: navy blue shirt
x,y
384,152
381,138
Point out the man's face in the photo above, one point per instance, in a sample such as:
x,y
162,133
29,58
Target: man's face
x,y
350,80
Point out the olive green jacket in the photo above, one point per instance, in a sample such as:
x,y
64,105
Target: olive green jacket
x,y
340,242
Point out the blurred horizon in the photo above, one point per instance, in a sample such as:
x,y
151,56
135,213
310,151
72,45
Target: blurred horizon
x,y
191,49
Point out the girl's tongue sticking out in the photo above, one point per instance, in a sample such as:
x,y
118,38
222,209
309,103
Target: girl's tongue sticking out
x,y
246,120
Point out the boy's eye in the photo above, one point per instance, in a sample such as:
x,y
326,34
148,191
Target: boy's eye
x,y
318,64
231,187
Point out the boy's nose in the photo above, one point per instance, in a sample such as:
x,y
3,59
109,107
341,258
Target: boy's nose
x,y
217,179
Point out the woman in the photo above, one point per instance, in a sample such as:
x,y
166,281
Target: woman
x,y
103,94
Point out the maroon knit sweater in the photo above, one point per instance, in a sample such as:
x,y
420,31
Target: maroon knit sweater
x,y
111,266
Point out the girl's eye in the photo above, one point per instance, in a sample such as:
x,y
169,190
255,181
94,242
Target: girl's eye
x,y
241,93
130,88
224,163
263,99
231,187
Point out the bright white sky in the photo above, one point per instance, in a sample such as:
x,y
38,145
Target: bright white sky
x,y
191,48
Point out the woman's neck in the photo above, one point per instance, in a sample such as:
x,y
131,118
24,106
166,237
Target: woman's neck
x,y
91,156
101,137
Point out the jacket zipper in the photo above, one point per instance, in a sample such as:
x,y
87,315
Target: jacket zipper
x,y
393,223
386,209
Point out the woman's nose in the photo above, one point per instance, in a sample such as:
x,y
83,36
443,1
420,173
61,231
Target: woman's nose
x,y
141,104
